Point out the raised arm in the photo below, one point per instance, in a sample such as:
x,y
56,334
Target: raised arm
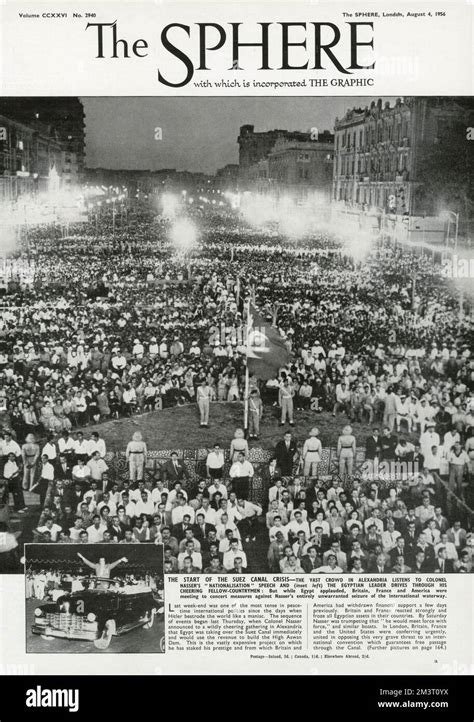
x,y
86,561
119,561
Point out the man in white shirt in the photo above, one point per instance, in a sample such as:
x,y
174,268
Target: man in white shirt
x,y
81,447
451,551
228,561
173,494
278,526
429,439
75,530
144,505
128,505
81,472
275,492
94,444
224,526
50,449
402,407
389,537
210,514
95,532
97,467
296,525
136,494
51,529
180,510
458,461
218,487
374,519
249,514
240,473
108,502
215,463
190,552
66,445
330,567
11,472
10,446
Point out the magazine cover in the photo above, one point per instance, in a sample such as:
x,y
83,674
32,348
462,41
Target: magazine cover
x,y
236,338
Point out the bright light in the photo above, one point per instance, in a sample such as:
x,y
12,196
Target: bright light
x,y
170,204
183,234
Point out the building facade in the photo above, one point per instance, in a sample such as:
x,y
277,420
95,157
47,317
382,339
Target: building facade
x,y
286,163
381,153
64,117
34,156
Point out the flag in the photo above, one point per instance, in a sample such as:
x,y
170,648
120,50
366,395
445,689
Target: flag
x,y
266,349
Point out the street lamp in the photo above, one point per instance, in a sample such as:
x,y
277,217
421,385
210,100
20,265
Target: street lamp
x,y
449,215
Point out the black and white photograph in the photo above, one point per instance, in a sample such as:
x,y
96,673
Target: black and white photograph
x,y
94,600
235,329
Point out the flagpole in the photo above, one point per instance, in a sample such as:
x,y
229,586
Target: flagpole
x,y
247,381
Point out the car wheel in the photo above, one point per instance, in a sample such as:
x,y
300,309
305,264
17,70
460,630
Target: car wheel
x,y
107,633
150,619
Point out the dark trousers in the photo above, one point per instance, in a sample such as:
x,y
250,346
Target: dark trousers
x,y
241,486
248,527
16,490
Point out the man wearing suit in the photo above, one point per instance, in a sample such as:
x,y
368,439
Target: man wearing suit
x,y
399,567
310,560
73,495
179,530
399,550
379,565
427,548
457,536
388,444
442,564
285,452
174,470
63,468
200,528
410,538
421,565
372,445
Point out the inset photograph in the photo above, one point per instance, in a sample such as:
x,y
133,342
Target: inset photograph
x,y
94,598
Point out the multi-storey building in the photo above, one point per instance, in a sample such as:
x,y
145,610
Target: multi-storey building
x,y
382,156
63,116
290,163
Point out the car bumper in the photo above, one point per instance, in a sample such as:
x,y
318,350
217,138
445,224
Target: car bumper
x,y
88,635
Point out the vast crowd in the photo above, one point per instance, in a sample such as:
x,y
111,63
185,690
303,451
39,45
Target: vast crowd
x,y
117,324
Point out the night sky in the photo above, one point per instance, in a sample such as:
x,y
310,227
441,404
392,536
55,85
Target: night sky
x,y
199,134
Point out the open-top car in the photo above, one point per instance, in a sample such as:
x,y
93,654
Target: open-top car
x,y
98,612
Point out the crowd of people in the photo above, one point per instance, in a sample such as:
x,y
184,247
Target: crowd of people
x,y
50,583
379,341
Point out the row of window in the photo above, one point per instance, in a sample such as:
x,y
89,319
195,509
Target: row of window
x,y
392,130
389,163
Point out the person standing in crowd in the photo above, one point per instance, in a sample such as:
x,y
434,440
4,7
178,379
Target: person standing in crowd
x,y
203,396
311,454
286,452
255,411
285,401
458,462
30,452
240,473
215,461
11,474
238,445
346,451
136,456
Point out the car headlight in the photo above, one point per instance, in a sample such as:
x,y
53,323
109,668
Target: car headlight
x,y
91,617
38,612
